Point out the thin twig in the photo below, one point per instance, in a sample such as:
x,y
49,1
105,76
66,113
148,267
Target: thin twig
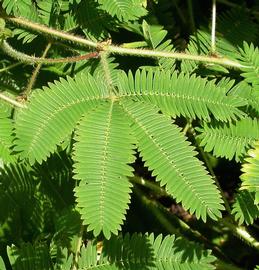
x,y
78,248
180,13
10,67
192,22
213,27
35,73
148,184
11,101
242,233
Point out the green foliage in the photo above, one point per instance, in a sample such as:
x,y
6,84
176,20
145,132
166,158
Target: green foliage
x,y
134,137
131,252
123,9
250,172
12,6
73,98
231,140
182,94
244,209
250,59
6,138
155,35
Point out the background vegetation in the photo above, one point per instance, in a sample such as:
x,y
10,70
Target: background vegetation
x,y
129,134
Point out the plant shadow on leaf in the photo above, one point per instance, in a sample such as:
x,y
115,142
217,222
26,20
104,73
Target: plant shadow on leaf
x,y
133,253
28,256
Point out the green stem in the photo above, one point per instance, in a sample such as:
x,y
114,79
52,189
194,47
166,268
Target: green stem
x,y
207,162
120,50
233,5
242,233
9,67
228,3
24,58
154,209
11,101
180,13
35,73
51,32
78,248
213,27
175,225
148,184
190,11
174,55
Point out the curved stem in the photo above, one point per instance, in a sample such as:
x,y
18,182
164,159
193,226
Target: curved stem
x,y
24,58
38,60
120,50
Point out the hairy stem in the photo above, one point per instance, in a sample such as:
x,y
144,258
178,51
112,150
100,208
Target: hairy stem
x,y
174,55
24,58
120,50
213,27
51,32
106,70
11,101
35,73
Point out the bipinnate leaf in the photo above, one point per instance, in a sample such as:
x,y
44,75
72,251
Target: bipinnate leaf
x,y
102,152
172,160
